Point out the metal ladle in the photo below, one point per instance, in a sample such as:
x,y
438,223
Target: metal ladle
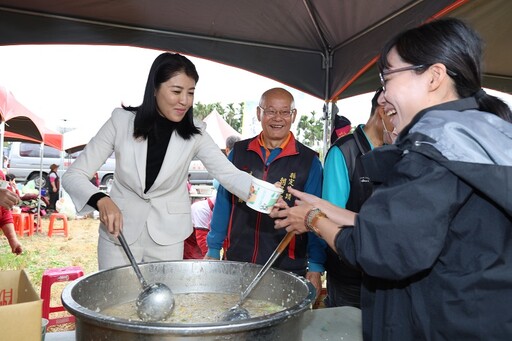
x,y
237,312
156,301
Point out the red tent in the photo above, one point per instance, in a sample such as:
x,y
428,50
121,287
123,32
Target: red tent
x,y
22,124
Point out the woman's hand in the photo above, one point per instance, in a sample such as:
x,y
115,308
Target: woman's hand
x,y
292,218
110,215
16,247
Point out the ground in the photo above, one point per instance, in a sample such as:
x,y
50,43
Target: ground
x,y
41,252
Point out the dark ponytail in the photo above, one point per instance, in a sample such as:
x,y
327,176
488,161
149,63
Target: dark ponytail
x,y
493,105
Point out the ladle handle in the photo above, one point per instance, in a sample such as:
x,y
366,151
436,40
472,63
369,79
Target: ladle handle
x,y
277,252
135,266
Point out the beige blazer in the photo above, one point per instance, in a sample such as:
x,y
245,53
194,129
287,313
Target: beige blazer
x,y
165,208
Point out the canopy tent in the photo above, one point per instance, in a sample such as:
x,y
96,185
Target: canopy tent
x,y
219,129
325,48
22,124
75,140
319,47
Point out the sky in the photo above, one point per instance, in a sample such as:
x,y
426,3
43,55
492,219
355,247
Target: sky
x,y
78,86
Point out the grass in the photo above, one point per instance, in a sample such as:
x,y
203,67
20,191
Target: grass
x,y
41,252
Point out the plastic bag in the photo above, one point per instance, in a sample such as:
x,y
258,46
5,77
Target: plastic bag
x,y
30,188
65,206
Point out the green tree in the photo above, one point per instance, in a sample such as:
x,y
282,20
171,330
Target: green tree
x,y
310,130
202,110
231,114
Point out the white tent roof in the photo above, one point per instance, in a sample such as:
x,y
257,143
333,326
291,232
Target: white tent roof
x,y
76,140
219,129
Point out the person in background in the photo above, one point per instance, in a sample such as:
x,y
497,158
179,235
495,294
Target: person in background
x,y
274,156
435,238
7,200
189,184
230,142
154,144
342,127
202,211
54,186
7,226
347,184
95,180
11,179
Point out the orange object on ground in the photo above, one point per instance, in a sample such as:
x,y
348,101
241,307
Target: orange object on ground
x,y
23,223
63,228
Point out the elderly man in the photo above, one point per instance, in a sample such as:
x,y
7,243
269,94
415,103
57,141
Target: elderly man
x,y
274,156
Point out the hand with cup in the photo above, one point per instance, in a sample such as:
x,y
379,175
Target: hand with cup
x,y
263,196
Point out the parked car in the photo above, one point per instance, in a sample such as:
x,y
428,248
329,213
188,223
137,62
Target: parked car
x,y
26,164
198,173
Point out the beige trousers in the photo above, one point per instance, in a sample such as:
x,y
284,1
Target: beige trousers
x,y
144,250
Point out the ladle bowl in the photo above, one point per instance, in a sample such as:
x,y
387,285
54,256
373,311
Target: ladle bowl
x,y
237,312
156,301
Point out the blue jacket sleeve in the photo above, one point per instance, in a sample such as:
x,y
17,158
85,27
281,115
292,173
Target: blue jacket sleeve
x,y
336,186
219,223
316,245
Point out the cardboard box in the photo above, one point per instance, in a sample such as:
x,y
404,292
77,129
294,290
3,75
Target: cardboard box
x,y
20,307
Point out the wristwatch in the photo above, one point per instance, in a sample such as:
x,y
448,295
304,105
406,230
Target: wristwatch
x,y
311,218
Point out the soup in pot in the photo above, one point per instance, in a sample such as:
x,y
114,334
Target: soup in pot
x,y
197,308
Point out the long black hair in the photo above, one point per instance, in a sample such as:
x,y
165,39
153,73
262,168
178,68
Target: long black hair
x,y
164,67
456,45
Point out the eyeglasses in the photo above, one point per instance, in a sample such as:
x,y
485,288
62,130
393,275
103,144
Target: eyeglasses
x,y
388,72
271,113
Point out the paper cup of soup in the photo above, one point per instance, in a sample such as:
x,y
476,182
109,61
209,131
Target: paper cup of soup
x,y
263,196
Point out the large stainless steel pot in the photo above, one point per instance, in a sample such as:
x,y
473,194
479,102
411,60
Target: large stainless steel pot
x,y
86,297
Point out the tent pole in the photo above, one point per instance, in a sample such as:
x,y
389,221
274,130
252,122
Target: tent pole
x,y
2,130
327,124
41,152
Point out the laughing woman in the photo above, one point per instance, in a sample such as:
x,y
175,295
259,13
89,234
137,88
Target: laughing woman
x,y
153,145
435,239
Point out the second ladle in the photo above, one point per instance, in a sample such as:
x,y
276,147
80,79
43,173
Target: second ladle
x,y
237,312
156,301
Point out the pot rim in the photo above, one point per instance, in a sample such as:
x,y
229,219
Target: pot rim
x,y
93,317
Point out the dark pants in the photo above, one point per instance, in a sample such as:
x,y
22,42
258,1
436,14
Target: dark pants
x,y
342,294
54,196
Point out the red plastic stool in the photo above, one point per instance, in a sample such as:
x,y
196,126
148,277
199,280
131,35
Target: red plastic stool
x,y
36,220
23,223
51,276
63,228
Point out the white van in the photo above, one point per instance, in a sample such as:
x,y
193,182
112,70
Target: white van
x,y
25,164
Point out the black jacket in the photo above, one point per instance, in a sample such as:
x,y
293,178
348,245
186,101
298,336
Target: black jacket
x,y
435,239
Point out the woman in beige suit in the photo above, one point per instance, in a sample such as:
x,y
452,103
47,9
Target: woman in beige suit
x,y
153,144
